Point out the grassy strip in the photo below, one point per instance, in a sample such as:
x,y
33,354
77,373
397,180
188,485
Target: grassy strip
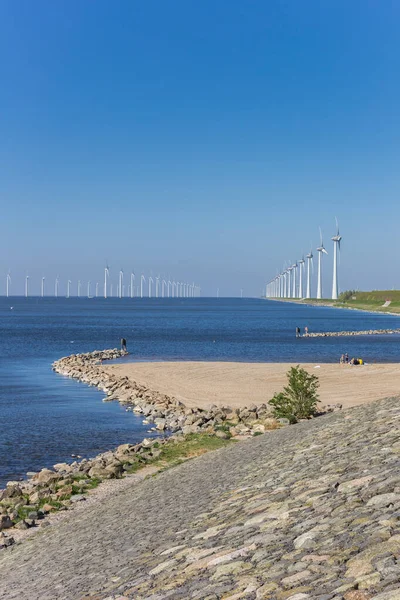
x,y
174,452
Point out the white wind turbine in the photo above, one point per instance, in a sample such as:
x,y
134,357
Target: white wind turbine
x,y
42,287
289,284
169,286
56,286
321,250
301,276
26,286
163,284
79,288
142,280
132,284
69,288
294,267
97,289
310,264
88,288
8,284
157,285
150,280
336,249
106,277
121,283
173,286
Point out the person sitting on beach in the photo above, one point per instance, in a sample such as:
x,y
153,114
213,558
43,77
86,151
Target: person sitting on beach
x,y
306,331
342,359
346,358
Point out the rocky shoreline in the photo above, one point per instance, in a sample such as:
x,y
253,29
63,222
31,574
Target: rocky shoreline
x,y
24,504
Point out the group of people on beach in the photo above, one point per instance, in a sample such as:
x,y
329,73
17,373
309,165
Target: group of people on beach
x,y
344,360
298,332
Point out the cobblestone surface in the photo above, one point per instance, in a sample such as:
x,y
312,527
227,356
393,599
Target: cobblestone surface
x,y
307,512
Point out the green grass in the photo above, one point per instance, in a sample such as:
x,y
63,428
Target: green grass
x,y
175,452
372,301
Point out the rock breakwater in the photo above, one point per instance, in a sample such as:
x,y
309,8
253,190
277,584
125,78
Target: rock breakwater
x,y
351,333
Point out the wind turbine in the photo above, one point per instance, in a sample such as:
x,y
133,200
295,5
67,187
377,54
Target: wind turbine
x,y
294,280
301,276
336,248
142,279
8,284
241,293
79,288
88,289
121,281
97,289
56,286
309,265
163,284
26,286
69,288
106,276
42,290
289,285
132,284
150,280
169,285
321,250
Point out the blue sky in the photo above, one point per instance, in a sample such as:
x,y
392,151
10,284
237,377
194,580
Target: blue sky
x,y
206,140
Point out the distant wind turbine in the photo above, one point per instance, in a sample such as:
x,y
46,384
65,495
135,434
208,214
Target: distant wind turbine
x,y
301,276
157,285
150,280
88,288
106,277
97,289
310,263
132,284
79,288
42,287
8,284
142,280
321,250
336,249
26,286
56,286
163,284
69,288
121,283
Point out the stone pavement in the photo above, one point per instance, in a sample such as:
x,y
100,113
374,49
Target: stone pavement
x,y
311,511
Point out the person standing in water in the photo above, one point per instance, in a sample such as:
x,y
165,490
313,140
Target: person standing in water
x,y
123,344
297,332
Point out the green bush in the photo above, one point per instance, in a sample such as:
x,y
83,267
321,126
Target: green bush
x,y
299,398
347,295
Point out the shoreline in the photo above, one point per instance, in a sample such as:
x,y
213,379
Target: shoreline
x,y
331,304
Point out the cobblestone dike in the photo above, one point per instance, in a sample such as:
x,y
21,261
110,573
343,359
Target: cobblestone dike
x,y
309,511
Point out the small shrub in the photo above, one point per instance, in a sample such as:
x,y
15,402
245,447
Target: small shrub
x,y
299,398
347,295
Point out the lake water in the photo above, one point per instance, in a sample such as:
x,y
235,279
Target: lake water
x,y
44,417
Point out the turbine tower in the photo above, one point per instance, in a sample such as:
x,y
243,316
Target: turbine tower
x,y
301,276
42,290
121,282
336,248
294,280
56,287
79,288
69,288
8,284
26,286
106,276
150,280
132,284
309,264
321,250
142,279
88,288
97,289
163,284
157,285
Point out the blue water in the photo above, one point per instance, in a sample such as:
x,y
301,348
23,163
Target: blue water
x,y
44,417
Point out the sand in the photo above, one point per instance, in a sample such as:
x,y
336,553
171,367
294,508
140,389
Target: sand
x,y
240,384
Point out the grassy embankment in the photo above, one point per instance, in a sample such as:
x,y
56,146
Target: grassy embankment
x,y
372,301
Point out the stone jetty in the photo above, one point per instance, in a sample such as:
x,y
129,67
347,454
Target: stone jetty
x,y
308,512
350,333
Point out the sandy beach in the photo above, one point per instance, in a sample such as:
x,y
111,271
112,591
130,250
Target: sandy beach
x,y
239,384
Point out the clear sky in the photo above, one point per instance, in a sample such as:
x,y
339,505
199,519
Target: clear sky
x,y
205,139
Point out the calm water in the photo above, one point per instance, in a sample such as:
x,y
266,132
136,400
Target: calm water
x,y
45,417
